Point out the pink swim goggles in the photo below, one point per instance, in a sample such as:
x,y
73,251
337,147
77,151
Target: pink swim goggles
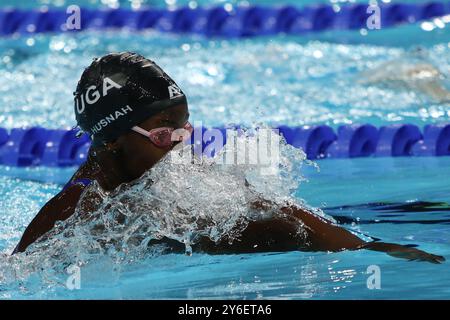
x,y
165,136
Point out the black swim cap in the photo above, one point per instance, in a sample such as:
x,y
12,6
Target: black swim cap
x,y
119,91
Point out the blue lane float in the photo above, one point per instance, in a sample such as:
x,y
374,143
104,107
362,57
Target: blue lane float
x,y
38,146
219,21
435,142
354,141
314,140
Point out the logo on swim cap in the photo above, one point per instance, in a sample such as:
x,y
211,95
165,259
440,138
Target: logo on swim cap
x,y
174,91
92,95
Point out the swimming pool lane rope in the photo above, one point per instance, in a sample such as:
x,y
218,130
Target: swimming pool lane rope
x,y
220,21
38,146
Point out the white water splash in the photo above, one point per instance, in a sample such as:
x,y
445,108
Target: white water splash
x,y
172,200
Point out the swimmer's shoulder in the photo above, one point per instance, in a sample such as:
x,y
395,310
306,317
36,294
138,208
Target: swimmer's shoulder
x,y
59,208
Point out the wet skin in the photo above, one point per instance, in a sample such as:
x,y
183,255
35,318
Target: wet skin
x,y
132,154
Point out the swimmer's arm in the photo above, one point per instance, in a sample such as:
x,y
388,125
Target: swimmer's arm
x,y
59,208
327,236
286,230
290,229
322,234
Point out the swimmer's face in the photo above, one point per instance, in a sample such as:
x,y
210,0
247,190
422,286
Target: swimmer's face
x,y
139,153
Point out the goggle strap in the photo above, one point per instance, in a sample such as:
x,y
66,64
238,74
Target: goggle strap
x,y
141,131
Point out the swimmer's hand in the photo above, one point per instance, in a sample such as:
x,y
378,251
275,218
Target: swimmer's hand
x,y
290,228
404,252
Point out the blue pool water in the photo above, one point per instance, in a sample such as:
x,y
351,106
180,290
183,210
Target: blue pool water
x,y
275,80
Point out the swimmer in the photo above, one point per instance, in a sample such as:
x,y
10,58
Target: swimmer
x,y
413,72
135,114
